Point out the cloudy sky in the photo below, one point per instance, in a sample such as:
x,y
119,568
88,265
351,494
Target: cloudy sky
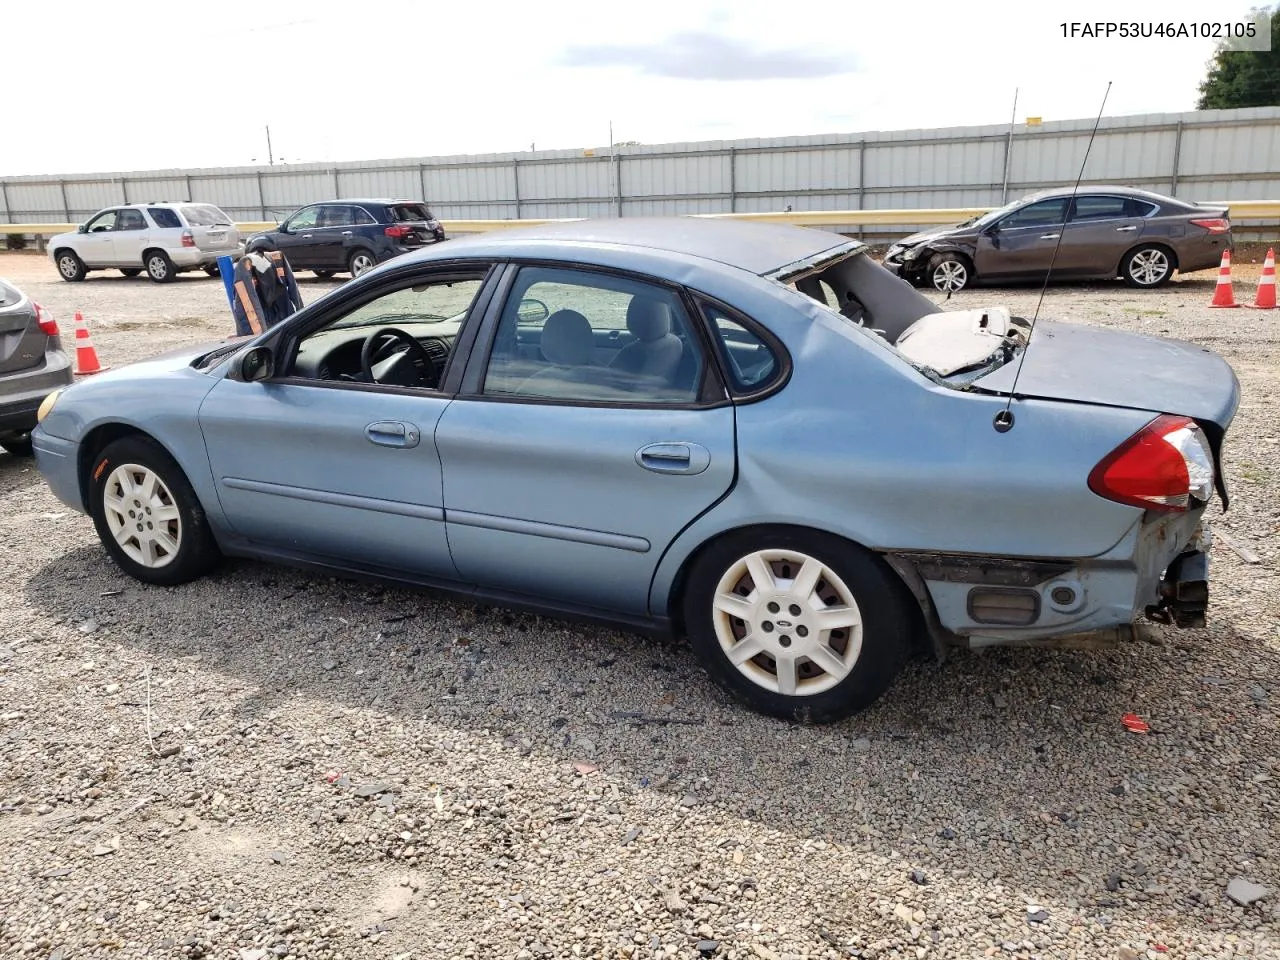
x,y
98,86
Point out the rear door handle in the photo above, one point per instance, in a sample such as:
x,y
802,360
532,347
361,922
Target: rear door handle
x,y
1125,229
393,433
306,236
1049,236
346,233
674,457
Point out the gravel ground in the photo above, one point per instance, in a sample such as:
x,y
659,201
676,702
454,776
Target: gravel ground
x,y
269,764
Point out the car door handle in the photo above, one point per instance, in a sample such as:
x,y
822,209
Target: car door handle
x,y
1129,229
674,457
306,236
1050,236
346,233
393,433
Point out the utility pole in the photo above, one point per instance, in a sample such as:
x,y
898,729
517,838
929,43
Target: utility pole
x,y
271,160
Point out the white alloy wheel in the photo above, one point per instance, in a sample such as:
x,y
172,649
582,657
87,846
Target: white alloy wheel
x,y
361,264
68,266
142,515
787,622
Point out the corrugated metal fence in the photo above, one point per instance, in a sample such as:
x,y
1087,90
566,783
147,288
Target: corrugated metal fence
x,y
1204,155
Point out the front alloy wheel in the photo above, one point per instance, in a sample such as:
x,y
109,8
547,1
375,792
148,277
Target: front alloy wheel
x,y
949,273
797,623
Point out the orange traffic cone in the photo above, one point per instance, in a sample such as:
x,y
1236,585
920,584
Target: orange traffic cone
x,y
1223,295
86,355
1266,298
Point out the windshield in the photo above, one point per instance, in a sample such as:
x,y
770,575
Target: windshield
x,y
992,216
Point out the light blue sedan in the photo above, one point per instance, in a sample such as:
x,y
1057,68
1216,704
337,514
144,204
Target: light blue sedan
x,y
752,436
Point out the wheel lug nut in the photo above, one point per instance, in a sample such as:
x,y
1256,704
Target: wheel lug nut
x,y
767,626
784,640
773,608
795,610
802,631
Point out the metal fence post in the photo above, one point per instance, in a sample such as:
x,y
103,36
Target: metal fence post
x,y
124,189
1177,154
515,179
862,180
262,201
617,172
733,179
190,197
4,192
422,178
66,207
337,194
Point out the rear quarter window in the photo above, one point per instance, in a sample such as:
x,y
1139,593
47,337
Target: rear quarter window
x,y
163,217
409,212
751,362
205,215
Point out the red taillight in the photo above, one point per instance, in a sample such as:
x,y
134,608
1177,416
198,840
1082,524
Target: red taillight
x,y
187,239
1164,466
398,231
1214,225
48,325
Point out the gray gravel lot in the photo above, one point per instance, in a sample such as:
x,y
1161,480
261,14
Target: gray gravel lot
x,y
334,769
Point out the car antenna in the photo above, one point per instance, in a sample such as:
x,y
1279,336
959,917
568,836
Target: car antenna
x,y
1003,421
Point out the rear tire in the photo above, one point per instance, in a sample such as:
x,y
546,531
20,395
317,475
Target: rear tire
x,y
147,515
213,270
131,272
70,267
324,274
18,444
1147,267
160,267
360,262
822,640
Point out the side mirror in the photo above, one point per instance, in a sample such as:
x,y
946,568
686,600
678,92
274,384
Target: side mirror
x,y
257,364
83,228
283,228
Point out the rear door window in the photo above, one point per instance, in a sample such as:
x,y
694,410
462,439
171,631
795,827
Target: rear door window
x,y
334,215
131,220
1100,208
361,217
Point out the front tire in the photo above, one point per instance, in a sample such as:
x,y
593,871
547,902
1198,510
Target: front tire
x,y
148,516
70,267
131,272
160,267
324,274
1147,267
360,262
797,624
949,272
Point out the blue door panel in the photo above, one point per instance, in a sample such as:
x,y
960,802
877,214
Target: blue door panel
x,y
576,503
347,474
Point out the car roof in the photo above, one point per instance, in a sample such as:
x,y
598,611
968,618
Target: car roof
x,y
1104,188
374,200
761,248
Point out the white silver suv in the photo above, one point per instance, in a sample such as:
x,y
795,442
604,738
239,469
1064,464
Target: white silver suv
x,y
164,239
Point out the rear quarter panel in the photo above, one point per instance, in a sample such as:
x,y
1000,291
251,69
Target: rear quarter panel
x,y
860,444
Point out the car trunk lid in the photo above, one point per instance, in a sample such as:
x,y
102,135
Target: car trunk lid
x,y
22,342
416,220
1084,364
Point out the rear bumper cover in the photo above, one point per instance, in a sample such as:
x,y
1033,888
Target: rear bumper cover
x,y
195,257
21,393
1159,570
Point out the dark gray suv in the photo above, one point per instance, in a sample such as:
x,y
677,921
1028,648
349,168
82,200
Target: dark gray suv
x,y
1105,232
32,366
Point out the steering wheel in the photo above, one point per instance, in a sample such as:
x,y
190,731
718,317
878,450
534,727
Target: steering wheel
x,y
373,352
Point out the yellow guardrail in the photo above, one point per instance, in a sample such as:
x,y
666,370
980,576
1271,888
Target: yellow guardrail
x,y
1241,210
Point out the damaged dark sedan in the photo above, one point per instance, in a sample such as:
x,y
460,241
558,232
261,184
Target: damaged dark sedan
x,y
1089,233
